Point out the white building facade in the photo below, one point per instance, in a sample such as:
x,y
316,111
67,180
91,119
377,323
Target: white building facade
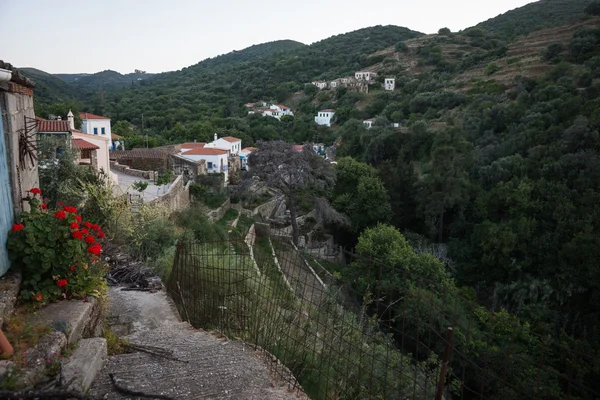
x,y
320,85
365,75
229,143
216,160
325,117
368,123
389,84
95,125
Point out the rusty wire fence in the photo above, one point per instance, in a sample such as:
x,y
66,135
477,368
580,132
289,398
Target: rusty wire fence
x,y
333,339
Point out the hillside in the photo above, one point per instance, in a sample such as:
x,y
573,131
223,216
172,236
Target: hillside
x,y
534,16
50,89
105,79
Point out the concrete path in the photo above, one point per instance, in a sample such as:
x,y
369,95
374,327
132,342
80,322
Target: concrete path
x,y
151,192
205,366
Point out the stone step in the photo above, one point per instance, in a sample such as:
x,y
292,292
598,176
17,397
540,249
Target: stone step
x,y
73,318
85,363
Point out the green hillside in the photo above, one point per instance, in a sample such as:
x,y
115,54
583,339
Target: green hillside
x,y
104,80
534,16
50,89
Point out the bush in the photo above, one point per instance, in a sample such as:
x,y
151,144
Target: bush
x,y
491,68
56,253
593,8
204,231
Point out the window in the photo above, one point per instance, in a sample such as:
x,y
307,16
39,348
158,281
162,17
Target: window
x,y
210,165
95,131
103,131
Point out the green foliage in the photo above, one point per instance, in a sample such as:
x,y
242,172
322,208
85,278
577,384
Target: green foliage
x,y
140,186
593,8
535,16
56,253
491,68
195,220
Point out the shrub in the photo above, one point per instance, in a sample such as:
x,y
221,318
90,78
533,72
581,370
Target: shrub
x,y
195,220
491,68
56,252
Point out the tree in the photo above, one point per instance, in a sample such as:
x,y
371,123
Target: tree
x,y
444,31
360,194
593,8
140,186
446,186
295,173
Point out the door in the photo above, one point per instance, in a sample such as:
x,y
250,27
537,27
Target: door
x,y
6,206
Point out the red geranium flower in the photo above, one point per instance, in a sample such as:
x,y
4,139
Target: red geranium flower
x,y
73,268
60,215
36,191
85,231
44,206
78,218
95,249
90,240
62,282
17,227
70,209
37,297
101,235
74,225
95,227
87,224
77,235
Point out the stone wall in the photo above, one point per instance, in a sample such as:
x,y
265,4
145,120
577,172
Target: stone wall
x,y
265,210
178,196
142,159
133,172
183,166
16,102
215,215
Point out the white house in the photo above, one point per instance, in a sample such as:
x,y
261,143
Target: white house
x,y
389,84
325,117
320,84
93,125
102,152
216,159
228,143
282,110
365,75
368,123
333,84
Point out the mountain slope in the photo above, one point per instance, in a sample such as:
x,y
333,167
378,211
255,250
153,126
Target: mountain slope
x,y
50,89
104,79
534,16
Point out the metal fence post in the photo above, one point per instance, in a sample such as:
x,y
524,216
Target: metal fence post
x,y
439,392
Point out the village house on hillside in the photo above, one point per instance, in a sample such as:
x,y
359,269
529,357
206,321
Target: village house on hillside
x,y
389,84
92,150
325,117
229,143
365,75
269,110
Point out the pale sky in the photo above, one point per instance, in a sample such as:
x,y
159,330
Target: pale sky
x,y
71,36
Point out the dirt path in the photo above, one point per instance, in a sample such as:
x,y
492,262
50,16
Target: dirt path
x,y
304,283
204,366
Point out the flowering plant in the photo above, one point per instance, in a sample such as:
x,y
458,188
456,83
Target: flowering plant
x,y
57,257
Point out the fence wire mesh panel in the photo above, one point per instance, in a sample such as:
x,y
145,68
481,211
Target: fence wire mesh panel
x,y
350,338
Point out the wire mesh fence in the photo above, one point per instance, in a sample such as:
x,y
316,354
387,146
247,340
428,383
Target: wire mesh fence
x,y
411,338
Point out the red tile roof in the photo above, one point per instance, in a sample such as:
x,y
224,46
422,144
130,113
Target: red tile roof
x,y
45,125
249,149
249,104
115,136
193,145
327,110
81,144
204,151
231,139
281,106
85,115
298,147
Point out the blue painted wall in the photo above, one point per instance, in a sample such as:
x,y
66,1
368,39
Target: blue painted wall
x,y
6,205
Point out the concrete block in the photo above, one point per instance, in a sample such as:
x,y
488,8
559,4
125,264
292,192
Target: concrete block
x,y
69,317
85,363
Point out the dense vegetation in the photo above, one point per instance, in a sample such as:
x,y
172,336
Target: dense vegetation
x,y
534,16
504,175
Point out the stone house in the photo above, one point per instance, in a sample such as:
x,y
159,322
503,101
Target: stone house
x,y
18,150
365,75
142,159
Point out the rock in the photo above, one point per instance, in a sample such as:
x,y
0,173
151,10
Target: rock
x,y
69,317
10,284
85,363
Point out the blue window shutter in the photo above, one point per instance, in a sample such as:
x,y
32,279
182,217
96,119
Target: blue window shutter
x,y
103,131
95,131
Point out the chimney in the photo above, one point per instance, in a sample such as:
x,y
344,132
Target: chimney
x,y
215,135
71,120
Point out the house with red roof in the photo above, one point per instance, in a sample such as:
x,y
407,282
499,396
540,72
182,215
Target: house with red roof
x,y
98,125
216,160
232,144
